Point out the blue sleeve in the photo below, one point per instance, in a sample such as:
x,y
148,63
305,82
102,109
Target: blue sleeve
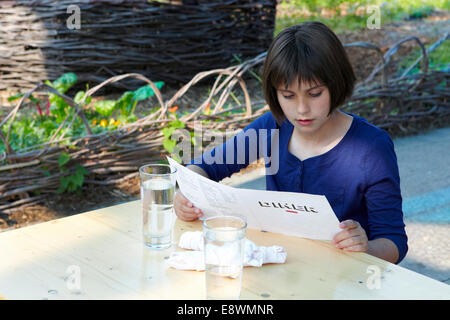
x,y
383,195
238,152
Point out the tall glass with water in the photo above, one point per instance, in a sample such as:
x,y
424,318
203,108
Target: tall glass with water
x,y
224,238
157,195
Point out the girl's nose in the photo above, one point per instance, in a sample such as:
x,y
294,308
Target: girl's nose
x,y
302,107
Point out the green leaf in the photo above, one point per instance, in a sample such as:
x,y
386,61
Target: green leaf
x,y
146,92
177,124
35,100
63,159
193,138
15,97
131,118
81,170
63,83
125,103
133,107
20,95
176,158
105,107
74,181
167,131
394,112
64,183
169,144
72,186
79,96
59,107
78,179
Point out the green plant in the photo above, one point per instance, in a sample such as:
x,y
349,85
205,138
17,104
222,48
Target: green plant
x,y
126,104
71,182
168,143
292,12
438,59
58,106
30,129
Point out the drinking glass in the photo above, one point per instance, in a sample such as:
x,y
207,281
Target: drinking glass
x,y
157,195
224,238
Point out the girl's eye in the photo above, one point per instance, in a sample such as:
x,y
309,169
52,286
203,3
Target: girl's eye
x,y
314,95
288,97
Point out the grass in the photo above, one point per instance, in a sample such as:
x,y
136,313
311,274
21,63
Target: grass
x,y
437,60
344,16
338,25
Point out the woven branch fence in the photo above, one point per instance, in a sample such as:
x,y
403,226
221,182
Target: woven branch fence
x,y
114,157
170,40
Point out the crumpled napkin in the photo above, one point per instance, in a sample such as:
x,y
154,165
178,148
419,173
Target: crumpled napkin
x,y
254,255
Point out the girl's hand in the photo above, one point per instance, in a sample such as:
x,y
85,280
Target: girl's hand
x,y
352,238
184,209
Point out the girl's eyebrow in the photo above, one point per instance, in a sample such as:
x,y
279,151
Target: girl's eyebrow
x,y
285,90
315,87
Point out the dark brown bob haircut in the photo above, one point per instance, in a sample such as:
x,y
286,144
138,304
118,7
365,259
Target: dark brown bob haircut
x,y
313,53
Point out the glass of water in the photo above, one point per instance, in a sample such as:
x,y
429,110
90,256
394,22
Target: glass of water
x,y
224,238
157,194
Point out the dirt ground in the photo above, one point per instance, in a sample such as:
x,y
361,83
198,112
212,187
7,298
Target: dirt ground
x,y
92,197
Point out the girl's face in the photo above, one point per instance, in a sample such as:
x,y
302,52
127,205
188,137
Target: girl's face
x,y
305,105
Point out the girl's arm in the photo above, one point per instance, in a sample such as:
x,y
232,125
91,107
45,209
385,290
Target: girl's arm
x,y
354,238
386,228
198,170
384,249
237,152
184,209
385,236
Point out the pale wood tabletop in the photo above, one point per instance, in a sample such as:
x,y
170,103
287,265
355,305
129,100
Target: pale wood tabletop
x,y
100,255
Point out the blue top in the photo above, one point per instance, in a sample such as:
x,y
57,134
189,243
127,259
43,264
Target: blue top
x,y
359,176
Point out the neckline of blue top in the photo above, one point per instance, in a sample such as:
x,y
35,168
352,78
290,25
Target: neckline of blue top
x,y
326,158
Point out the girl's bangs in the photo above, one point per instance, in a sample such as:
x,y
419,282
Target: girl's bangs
x,y
289,66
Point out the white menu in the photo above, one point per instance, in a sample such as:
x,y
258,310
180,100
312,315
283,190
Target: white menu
x,y
291,213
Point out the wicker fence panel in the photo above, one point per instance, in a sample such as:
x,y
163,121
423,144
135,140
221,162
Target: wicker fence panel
x,y
165,40
393,103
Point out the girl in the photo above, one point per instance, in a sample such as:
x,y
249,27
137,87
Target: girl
x,y
322,150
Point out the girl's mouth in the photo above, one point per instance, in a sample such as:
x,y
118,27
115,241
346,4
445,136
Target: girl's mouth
x,y
304,122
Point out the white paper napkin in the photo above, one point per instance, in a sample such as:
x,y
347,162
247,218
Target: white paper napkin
x,y
254,255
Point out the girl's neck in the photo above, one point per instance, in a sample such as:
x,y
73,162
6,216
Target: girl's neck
x,y
329,132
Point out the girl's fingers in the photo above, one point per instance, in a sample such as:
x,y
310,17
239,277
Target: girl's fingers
x,y
356,248
187,203
189,207
192,211
186,209
345,234
349,224
185,214
349,242
189,217
352,238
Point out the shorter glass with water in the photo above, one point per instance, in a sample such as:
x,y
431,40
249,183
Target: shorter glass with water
x,y
224,238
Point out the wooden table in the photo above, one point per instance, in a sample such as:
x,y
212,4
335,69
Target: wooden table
x,y
105,248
